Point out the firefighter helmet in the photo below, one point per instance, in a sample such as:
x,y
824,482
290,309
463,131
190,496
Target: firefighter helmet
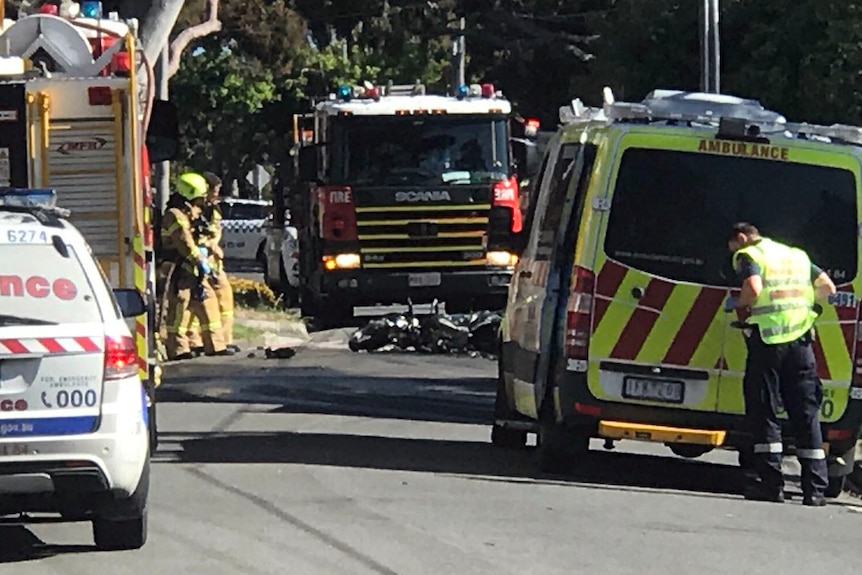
x,y
192,186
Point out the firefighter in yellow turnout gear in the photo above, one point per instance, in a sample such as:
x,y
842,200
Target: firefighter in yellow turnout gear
x,y
190,290
224,292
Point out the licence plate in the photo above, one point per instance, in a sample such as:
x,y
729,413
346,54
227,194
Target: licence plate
x,y
653,389
13,449
424,280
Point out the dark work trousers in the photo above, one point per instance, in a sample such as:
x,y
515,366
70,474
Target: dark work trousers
x,y
785,374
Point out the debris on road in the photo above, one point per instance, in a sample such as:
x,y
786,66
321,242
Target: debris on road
x,y
475,333
279,353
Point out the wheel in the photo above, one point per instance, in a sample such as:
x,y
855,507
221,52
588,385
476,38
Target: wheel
x,y
559,447
122,524
508,438
689,451
123,535
505,437
836,486
153,426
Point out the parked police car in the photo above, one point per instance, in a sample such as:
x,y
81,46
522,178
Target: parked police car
x,y
243,235
73,410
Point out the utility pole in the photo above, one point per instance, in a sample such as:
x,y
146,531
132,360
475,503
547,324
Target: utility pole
x,y
163,169
703,21
716,49
710,47
459,56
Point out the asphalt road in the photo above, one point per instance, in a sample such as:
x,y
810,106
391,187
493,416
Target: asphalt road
x,y
339,463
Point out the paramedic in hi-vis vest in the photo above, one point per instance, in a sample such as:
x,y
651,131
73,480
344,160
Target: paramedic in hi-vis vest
x,y
777,301
224,292
189,291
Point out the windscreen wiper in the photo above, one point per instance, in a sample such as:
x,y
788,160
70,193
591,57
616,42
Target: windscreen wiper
x,y
20,320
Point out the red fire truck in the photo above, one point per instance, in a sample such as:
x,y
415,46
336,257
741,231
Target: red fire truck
x,y
404,195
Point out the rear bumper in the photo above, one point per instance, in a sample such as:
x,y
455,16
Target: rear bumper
x,y
369,287
580,408
109,460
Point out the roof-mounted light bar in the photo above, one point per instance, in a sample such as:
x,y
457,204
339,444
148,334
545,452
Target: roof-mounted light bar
x,y
704,109
37,198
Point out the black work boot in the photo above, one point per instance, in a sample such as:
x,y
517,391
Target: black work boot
x,y
814,501
759,492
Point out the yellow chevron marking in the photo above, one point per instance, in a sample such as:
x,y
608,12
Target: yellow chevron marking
x,y
669,323
439,208
441,221
831,337
708,350
419,249
426,264
617,315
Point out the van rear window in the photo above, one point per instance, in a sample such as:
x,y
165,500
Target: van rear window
x,y
671,212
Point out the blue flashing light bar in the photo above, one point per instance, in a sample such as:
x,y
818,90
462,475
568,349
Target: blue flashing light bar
x,y
29,197
345,93
91,9
462,92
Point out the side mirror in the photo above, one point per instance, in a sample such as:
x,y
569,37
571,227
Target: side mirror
x,y
130,302
163,133
308,171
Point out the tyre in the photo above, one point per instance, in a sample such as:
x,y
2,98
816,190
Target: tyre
x,y
502,436
507,438
559,447
836,486
122,535
689,451
122,524
153,426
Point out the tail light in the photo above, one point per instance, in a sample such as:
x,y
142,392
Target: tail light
x,y
338,213
506,196
579,314
121,357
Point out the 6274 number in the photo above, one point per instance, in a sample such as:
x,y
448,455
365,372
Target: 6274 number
x,y
26,236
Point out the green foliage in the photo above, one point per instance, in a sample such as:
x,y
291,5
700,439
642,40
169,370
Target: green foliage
x,y
221,92
801,58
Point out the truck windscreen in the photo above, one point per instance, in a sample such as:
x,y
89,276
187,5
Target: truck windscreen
x,y
419,151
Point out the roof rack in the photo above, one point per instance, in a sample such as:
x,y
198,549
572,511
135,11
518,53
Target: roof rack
x,y
703,109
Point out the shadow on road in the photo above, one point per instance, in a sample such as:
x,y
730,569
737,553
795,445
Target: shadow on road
x,y
478,460
325,391
17,544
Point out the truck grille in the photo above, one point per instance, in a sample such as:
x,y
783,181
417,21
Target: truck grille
x,y
422,236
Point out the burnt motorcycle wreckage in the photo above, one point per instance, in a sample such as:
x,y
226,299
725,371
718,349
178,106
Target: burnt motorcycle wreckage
x,y
475,333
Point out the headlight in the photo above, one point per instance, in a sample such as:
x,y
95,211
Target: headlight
x,y
501,259
341,262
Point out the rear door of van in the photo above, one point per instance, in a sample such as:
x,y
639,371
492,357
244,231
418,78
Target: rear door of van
x,y
658,322
662,336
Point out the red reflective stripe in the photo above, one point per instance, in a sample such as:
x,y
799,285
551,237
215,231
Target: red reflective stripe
x,y
52,345
643,319
820,357
88,343
13,345
694,327
607,283
609,279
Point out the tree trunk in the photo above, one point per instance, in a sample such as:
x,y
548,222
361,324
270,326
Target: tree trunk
x,y
158,18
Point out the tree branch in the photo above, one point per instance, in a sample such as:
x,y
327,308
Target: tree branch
x,y
210,26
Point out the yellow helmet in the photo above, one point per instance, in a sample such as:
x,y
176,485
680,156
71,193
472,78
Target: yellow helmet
x,y
192,186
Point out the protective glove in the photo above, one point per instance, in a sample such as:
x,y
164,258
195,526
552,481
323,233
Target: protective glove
x,y
730,304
